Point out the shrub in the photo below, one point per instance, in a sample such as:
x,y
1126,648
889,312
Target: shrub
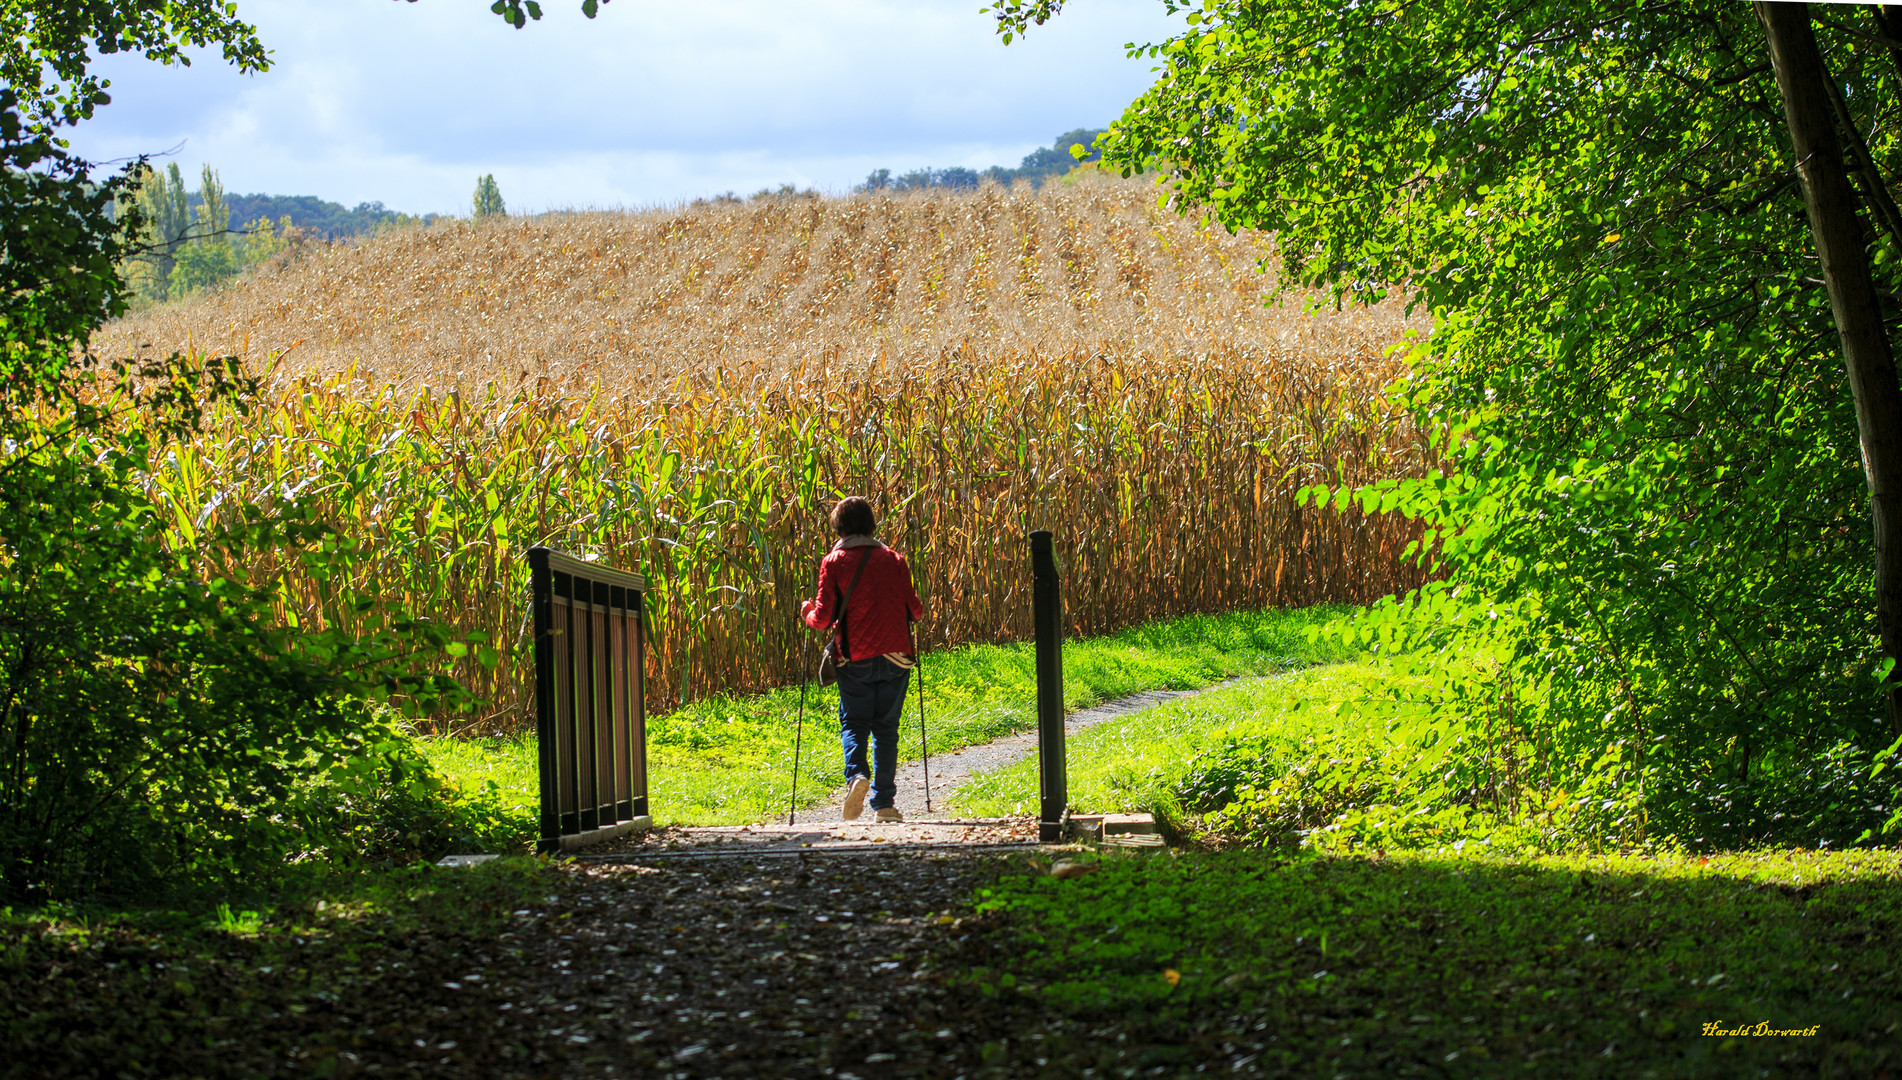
x,y
155,726
1343,792
389,806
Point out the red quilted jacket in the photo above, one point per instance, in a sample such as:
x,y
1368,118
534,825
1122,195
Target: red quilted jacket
x,y
876,623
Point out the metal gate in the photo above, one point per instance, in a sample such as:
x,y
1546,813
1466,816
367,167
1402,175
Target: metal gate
x,y
590,651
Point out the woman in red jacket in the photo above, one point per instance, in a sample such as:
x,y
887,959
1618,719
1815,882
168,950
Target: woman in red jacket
x,y
865,593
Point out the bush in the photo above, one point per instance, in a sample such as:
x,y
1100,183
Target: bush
x,y
155,726
1341,792
389,807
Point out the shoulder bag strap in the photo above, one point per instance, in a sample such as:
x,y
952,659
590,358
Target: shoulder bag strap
x,y
838,624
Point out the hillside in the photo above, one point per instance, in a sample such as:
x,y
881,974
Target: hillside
x,y
620,298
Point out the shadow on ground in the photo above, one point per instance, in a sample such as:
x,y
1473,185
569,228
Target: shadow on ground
x,y
978,964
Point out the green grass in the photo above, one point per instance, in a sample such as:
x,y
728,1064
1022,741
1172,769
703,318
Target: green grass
x,y
728,761
1466,965
1138,762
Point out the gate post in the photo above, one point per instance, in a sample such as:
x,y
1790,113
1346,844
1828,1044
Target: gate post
x,y
1047,601
590,717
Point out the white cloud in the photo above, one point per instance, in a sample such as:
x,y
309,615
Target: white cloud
x,y
408,102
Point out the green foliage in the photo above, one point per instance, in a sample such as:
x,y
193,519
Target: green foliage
x,y
517,13
188,245
1015,16
1063,154
488,198
1379,766
1186,757
954,178
390,804
160,727
317,217
56,276
166,208
46,46
260,241
206,261
1469,963
1651,522
155,727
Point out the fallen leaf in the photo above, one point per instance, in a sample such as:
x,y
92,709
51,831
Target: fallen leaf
x,y
1171,976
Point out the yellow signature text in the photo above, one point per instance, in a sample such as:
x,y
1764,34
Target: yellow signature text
x,y
1762,1028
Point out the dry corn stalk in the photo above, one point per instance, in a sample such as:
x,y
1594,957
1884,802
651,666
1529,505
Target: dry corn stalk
x,y
1168,482
683,392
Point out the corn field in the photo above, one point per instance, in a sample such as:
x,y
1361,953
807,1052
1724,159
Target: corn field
x,y
1164,463
626,302
1169,485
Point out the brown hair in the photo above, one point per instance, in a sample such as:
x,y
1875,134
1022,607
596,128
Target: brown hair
x,y
853,517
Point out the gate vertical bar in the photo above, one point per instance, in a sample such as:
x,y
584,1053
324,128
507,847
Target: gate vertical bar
x,y
1046,599
569,675
604,709
588,746
637,699
603,688
541,598
586,787
619,623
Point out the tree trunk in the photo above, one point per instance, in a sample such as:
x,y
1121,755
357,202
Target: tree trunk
x,y
1852,299
1889,18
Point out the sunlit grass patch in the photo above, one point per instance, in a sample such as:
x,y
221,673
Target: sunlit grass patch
x,y
1138,762
510,763
728,760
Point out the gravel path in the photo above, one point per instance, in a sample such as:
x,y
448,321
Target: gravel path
x,y
822,950
778,838
807,966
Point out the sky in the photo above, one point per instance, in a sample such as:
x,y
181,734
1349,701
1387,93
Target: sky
x,y
648,104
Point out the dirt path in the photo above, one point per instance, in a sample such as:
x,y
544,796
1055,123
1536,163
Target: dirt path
x,y
699,967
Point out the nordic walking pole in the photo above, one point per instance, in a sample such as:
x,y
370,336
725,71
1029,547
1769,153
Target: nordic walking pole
x,y
805,672
798,735
923,743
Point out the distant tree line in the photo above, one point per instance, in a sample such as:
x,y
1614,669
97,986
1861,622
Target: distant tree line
x,y
785,191
189,243
323,220
1038,165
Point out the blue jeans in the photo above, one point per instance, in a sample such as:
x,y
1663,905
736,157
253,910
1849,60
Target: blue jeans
x,y
871,700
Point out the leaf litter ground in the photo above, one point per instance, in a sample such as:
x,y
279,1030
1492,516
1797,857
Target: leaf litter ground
x,y
945,949
983,964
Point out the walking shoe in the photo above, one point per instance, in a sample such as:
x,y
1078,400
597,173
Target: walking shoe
x,y
855,798
890,813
